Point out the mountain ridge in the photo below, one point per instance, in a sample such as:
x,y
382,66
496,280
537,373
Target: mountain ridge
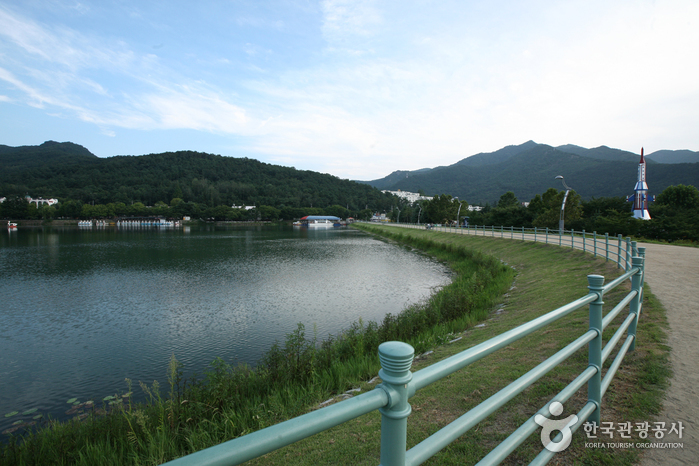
x,y
66,169
530,168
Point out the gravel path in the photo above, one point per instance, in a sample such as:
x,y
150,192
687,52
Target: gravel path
x,y
673,275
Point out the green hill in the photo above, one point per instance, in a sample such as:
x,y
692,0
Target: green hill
x,y
69,171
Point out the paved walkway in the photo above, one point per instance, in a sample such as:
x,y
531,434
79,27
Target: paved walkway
x,y
673,275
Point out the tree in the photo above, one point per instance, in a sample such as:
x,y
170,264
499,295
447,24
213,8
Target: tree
x,y
551,203
365,214
15,207
268,212
674,215
441,209
679,197
508,200
336,210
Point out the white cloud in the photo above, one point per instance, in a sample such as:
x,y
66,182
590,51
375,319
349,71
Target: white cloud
x,y
379,86
343,19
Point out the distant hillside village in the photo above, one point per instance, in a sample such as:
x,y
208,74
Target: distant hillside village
x,y
38,202
415,197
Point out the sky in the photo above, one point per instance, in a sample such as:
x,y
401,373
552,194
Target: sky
x,y
357,89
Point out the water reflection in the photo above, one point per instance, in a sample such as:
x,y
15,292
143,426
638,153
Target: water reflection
x,y
84,309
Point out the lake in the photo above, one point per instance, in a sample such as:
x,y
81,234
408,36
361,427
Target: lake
x,y
83,309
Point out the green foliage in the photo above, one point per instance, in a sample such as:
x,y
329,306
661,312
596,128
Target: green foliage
x,y
550,209
14,207
68,172
508,200
441,209
674,215
679,197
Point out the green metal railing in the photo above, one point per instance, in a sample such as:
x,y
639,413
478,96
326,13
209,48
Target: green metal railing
x,y
399,384
615,248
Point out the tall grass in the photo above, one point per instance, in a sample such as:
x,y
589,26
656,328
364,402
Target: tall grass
x,y
229,401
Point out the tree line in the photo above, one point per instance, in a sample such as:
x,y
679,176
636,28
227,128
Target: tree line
x,y
18,208
188,183
674,214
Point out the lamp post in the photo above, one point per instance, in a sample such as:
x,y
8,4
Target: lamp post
x,y
458,213
563,205
418,215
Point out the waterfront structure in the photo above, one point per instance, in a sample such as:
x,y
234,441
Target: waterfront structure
x,y
640,197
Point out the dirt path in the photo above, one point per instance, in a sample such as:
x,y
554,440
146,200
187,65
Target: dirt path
x,y
673,275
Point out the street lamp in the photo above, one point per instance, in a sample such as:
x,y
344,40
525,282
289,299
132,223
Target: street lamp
x,y
418,215
563,206
457,214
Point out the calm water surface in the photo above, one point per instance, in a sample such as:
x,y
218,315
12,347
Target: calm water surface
x,y
81,310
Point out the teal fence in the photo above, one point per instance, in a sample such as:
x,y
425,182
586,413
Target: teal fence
x,y
399,385
615,248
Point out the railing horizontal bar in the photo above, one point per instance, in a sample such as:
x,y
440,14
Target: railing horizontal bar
x,y
545,456
507,446
440,439
609,347
614,283
617,362
611,315
436,371
263,441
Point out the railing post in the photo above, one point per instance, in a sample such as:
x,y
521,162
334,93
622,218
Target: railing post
x,y
583,233
594,241
560,237
572,239
594,385
642,253
547,235
628,254
512,232
606,247
535,234
396,359
618,253
635,305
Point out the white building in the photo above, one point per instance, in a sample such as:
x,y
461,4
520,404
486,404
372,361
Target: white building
x,y
42,201
410,197
35,201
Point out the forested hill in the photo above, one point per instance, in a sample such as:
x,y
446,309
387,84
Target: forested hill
x,y
69,171
530,169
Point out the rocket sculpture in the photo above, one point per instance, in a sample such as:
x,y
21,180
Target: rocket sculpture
x,y
640,197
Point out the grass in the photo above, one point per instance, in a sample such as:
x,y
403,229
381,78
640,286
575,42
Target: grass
x,y
300,373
